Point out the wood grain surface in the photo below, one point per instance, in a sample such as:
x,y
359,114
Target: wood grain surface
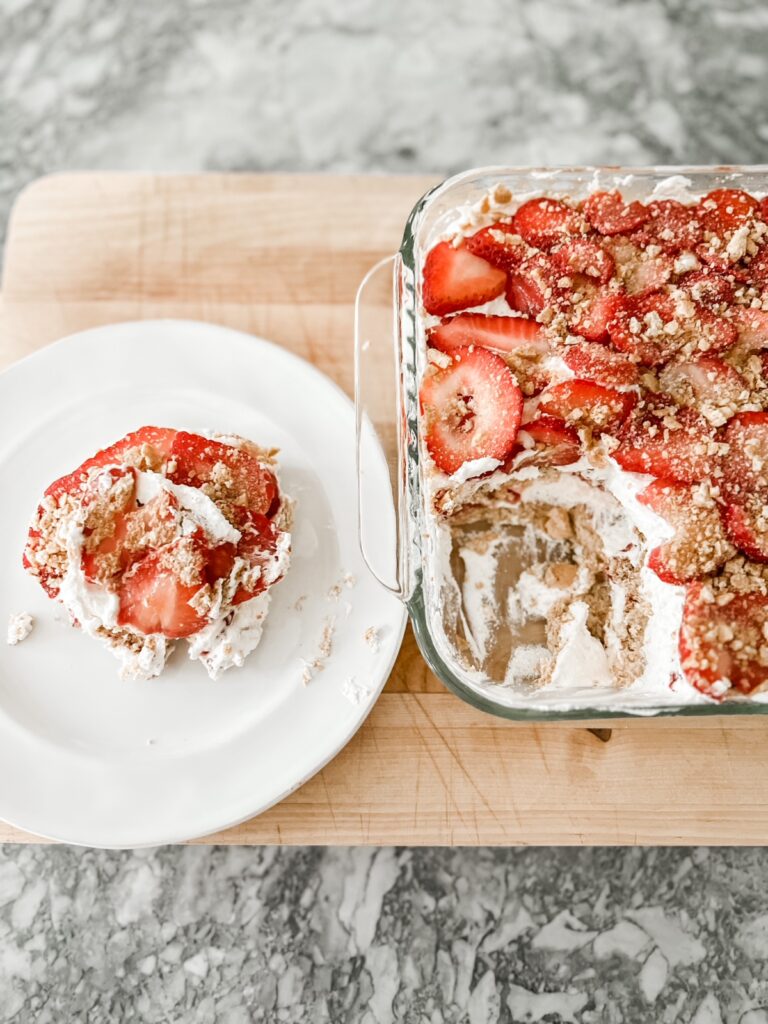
x,y
281,256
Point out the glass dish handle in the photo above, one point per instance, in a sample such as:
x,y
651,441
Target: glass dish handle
x,y
377,396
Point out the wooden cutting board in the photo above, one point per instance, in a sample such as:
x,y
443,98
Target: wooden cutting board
x,y
281,256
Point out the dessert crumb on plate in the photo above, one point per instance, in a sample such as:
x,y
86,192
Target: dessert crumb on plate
x,y
20,625
371,637
355,692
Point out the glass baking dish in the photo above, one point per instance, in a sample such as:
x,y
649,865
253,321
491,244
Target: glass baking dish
x,y
387,322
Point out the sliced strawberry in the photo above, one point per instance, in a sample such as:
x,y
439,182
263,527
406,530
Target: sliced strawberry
x,y
671,225
661,439
726,209
745,467
154,442
747,526
717,332
500,333
257,546
456,279
548,441
752,327
545,222
707,288
708,383
610,214
135,530
722,645
592,361
580,256
472,409
595,322
498,244
764,209
643,328
758,268
533,286
699,545
152,597
198,459
584,403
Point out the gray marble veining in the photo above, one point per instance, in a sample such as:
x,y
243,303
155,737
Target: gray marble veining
x,y
369,86
380,935
377,936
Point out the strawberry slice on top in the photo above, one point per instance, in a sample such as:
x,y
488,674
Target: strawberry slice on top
x,y
236,475
544,222
666,441
671,225
582,403
596,320
581,256
699,546
154,594
534,286
590,360
745,467
148,447
499,333
472,409
610,214
555,443
724,210
499,244
746,523
454,279
722,643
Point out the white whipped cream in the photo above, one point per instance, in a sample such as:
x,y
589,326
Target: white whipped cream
x,y
474,467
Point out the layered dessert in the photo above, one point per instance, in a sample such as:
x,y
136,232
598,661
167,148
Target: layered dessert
x,y
166,536
594,426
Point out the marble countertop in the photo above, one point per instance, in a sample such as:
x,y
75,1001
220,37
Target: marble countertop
x,y
380,935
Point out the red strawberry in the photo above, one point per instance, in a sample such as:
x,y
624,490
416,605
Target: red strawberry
x,y
718,332
554,442
257,546
592,361
580,256
639,328
246,483
665,441
594,324
157,440
758,268
699,545
472,409
610,214
747,526
583,403
670,225
499,245
705,382
533,286
722,646
752,327
152,597
726,209
545,222
745,467
764,209
456,279
500,333
707,288
136,528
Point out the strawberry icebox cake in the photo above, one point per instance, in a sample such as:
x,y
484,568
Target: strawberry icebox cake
x,y
594,437
164,536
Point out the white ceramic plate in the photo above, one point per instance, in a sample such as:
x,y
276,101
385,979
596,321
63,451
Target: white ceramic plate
x,y
87,758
